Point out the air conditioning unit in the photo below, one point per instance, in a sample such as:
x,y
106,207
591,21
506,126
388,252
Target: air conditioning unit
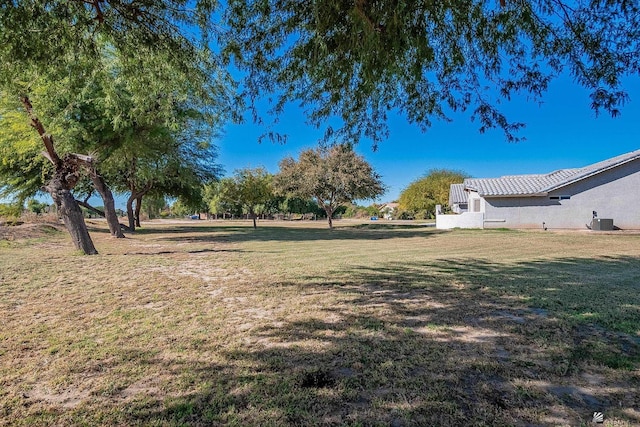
x,y
602,224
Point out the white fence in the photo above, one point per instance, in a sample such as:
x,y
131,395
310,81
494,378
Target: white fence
x,y
463,220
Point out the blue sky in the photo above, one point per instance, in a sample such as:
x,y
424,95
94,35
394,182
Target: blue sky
x,y
563,132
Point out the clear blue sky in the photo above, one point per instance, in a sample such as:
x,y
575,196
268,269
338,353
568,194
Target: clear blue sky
x,y
563,132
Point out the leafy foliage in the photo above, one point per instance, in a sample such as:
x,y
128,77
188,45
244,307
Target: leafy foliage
x,y
426,59
23,169
10,211
421,196
154,53
153,206
300,205
38,33
212,195
355,211
332,176
249,188
36,206
179,209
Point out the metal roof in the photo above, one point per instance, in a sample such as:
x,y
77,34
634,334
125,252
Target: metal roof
x,y
457,194
541,184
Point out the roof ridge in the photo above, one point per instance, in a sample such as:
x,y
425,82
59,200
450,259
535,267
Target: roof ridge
x,y
530,184
597,167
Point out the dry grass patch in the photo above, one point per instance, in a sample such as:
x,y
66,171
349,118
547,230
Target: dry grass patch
x,y
213,323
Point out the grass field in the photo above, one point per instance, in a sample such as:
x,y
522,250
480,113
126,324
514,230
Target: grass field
x,y
214,323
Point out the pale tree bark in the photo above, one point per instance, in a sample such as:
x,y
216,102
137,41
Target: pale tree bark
x,y
109,204
70,212
130,214
133,213
90,208
65,177
328,207
329,216
138,210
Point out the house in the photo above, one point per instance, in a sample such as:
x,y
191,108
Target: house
x,y
563,199
388,210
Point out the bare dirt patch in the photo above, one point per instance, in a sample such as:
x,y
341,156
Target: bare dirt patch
x,y
30,231
68,399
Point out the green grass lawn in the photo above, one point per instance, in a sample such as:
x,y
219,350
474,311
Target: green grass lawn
x,y
214,323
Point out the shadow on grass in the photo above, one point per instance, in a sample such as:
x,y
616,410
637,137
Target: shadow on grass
x,y
450,342
393,226
194,251
286,234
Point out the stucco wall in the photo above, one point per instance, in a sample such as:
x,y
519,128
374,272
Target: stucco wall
x,y
464,220
613,194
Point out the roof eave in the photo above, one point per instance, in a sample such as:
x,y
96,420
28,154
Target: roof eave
x,y
599,171
539,194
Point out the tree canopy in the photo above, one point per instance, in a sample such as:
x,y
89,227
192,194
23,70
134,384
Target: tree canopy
x,y
156,53
249,188
360,60
332,176
421,196
213,197
23,169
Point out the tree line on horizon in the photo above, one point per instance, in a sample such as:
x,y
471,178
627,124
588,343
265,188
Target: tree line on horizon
x,y
321,181
256,192
252,192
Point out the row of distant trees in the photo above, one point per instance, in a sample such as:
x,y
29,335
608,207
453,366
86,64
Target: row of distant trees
x,y
255,192
320,182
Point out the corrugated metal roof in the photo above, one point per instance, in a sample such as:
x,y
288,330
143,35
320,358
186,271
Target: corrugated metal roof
x,y
457,194
532,185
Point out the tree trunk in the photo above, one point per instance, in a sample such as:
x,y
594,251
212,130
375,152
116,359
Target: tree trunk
x,y
138,209
70,212
130,214
329,212
64,179
134,215
109,205
253,215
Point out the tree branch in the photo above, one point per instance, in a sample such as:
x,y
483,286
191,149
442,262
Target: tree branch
x,y
359,8
96,5
91,208
39,127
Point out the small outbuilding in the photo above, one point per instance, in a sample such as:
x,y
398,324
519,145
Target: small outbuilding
x,y
388,210
562,199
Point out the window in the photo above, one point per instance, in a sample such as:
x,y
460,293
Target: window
x,y
476,205
559,197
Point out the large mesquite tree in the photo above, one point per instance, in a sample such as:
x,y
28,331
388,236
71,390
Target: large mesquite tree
x,y
163,162
358,60
331,176
64,41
